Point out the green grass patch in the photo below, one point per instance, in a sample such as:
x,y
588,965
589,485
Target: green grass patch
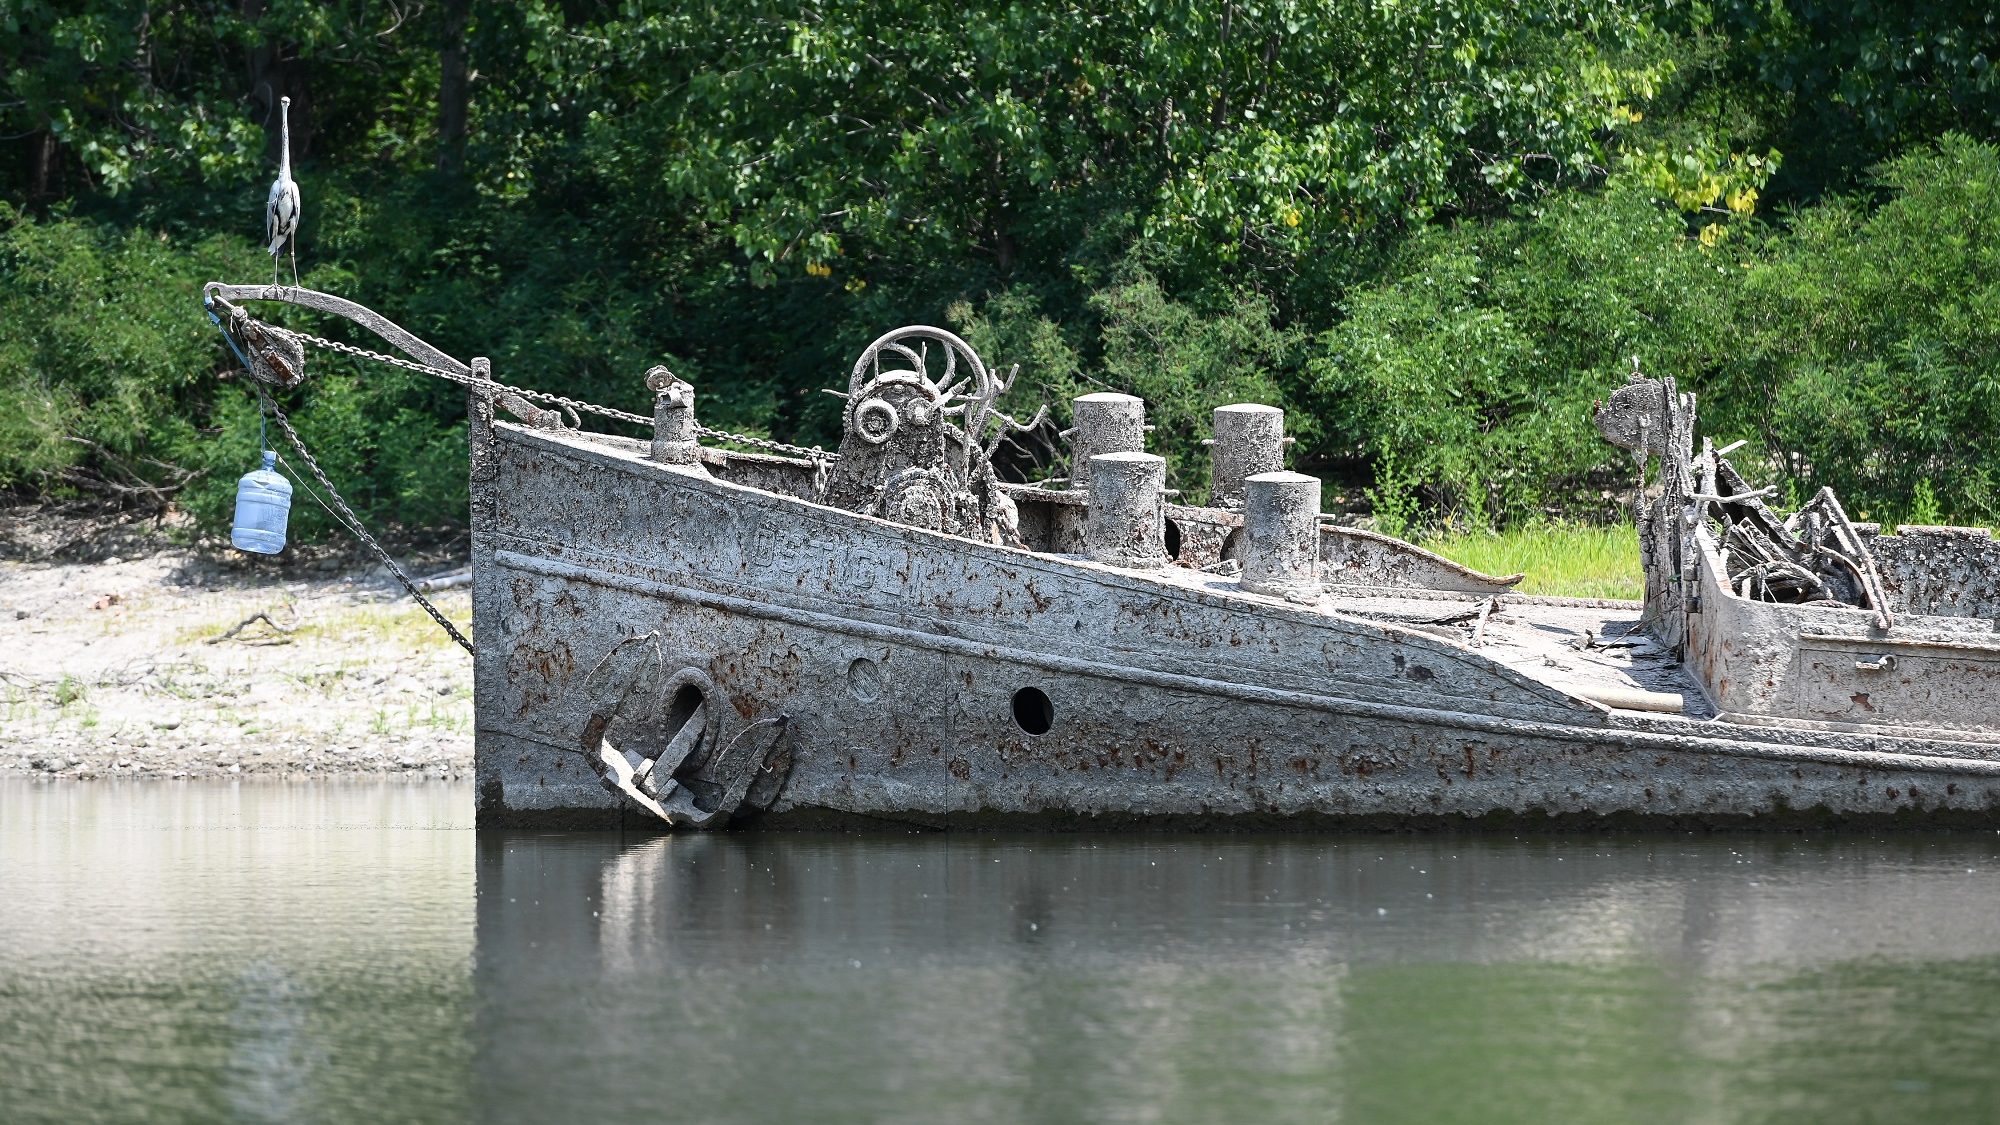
x,y
70,690
402,623
1566,560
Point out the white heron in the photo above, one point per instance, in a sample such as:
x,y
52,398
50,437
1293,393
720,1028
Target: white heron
x,y
281,214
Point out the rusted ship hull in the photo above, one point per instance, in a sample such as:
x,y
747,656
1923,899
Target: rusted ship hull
x,y
840,668
670,633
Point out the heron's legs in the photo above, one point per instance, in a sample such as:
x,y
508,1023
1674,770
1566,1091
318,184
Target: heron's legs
x,y
274,269
294,248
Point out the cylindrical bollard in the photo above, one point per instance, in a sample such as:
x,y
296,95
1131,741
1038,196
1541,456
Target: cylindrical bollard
x,y
1105,422
674,441
1127,522
1249,439
1281,535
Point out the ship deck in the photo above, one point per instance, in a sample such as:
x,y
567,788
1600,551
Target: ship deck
x,y
1588,647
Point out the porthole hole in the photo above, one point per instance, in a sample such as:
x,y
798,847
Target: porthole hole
x,y
864,679
1232,544
1033,712
1173,540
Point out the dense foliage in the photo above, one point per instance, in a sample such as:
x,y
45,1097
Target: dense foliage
x,y
1434,231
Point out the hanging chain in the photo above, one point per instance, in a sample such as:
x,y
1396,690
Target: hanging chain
x,y
354,521
455,377
820,458
817,455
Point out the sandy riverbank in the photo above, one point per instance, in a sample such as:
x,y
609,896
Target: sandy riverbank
x,y
115,664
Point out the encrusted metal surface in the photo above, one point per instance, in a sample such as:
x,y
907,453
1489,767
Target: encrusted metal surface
x,y
905,664
1942,571
1807,620
1351,556
704,638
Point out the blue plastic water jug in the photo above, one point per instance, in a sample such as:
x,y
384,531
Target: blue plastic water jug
x,y
263,504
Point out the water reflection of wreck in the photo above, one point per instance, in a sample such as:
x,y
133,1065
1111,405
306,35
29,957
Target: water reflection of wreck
x,y
891,631
794,976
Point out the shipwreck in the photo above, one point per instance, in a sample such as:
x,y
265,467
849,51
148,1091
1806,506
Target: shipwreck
x,y
681,631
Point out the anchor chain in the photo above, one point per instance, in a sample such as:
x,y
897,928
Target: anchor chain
x,y
815,453
354,522
818,456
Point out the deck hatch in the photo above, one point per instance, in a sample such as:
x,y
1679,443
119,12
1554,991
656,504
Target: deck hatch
x,y
1906,683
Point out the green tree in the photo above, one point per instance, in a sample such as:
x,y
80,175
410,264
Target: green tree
x,y
1469,372
1431,231
855,137
1868,346
1846,84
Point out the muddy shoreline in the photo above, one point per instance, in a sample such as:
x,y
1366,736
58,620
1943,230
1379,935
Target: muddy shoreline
x,y
126,652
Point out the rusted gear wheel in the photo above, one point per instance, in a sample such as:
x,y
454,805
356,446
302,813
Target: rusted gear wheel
x,y
919,497
874,419
912,345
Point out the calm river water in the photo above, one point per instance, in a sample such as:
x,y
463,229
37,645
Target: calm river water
x,y
209,952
